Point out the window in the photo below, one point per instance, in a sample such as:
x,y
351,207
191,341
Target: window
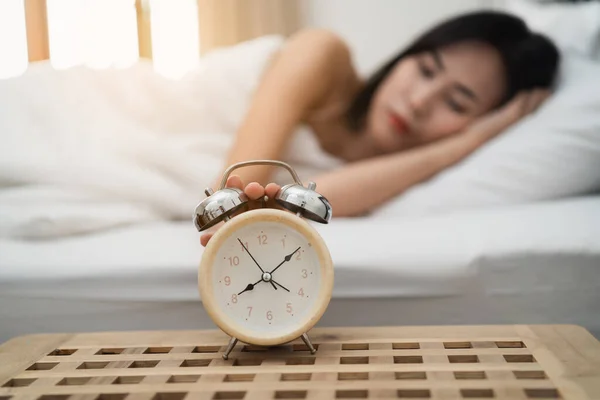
x,y
104,34
13,38
98,33
175,41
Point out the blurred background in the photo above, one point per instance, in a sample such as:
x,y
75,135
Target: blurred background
x,y
100,171
175,33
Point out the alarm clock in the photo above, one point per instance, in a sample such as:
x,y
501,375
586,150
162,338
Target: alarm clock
x,y
266,276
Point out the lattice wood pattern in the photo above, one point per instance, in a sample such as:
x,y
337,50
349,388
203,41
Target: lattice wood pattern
x,y
502,362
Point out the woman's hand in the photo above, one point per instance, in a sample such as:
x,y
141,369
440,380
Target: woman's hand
x,y
493,123
420,164
253,190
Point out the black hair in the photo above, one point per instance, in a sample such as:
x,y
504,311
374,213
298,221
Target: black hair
x,y
530,59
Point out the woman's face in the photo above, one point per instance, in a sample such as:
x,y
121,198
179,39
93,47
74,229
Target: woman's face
x,y
431,95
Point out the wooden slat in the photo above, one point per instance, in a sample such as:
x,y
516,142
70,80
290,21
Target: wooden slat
x,y
36,19
556,361
144,29
228,22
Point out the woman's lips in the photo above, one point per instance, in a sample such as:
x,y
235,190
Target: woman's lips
x,y
398,123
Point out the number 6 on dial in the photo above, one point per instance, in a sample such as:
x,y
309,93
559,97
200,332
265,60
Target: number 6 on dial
x,y
263,300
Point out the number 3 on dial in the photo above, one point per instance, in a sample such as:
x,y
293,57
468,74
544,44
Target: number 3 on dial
x,y
249,273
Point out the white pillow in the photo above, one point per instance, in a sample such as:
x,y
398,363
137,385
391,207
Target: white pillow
x,y
552,153
573,26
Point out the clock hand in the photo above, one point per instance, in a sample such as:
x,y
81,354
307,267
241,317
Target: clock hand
x,y
250,286
245,248
287,258
253,259
279,284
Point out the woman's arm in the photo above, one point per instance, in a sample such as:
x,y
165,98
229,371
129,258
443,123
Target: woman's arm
x,y
299,79
358,188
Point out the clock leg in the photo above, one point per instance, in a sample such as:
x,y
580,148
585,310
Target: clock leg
x,y
230,347
308,344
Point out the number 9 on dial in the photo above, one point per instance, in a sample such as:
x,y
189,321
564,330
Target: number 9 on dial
x,y
266,276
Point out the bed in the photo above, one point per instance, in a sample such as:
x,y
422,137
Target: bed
x,y
540,264
97,188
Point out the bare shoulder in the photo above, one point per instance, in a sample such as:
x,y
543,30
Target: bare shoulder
x,y
316,53
322,41
320,46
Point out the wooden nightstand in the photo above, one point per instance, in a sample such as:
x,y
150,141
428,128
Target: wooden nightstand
x,y
445,362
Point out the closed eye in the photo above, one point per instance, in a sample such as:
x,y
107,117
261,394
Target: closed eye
x,y
455,106
426,71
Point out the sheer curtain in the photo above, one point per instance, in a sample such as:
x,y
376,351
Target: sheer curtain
x,y
101,33
227,22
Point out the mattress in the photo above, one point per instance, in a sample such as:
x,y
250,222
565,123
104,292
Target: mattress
x,y
529,263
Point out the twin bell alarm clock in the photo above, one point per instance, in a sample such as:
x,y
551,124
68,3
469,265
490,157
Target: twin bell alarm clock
x,y
266,276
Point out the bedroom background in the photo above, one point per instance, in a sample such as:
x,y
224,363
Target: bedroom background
x,y
175,34
150,28
515,239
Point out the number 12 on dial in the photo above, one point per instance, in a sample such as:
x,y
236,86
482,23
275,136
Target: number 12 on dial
x,y
266,277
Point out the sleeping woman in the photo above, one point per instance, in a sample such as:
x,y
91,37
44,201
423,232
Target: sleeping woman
x,y
454,88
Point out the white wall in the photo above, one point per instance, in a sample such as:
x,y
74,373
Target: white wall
x,y
376,29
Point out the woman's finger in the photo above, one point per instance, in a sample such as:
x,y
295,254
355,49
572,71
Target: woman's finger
x,y
537,99
206,235
254,191
235,181
514,109
205,238
271,190
523,100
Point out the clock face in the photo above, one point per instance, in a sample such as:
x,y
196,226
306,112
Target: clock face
x,y
266,277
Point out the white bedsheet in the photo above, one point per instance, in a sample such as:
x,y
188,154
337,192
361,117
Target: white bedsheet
x,y
538,263
86,194
435,256
86,150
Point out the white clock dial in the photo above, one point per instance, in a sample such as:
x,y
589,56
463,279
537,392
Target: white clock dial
x,y
271,304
